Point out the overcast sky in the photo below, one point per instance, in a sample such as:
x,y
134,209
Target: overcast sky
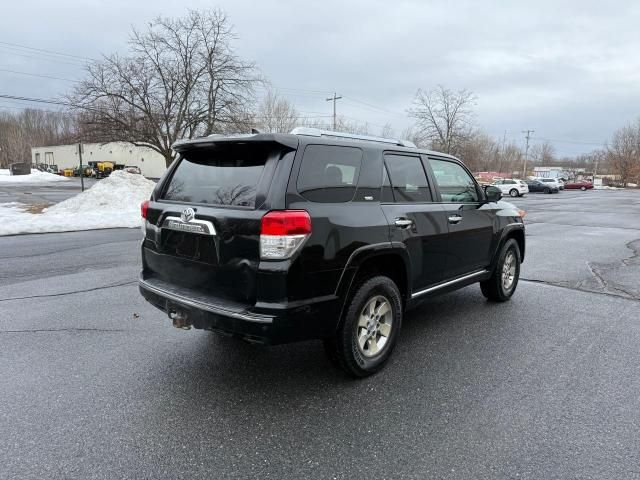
x,y
569,70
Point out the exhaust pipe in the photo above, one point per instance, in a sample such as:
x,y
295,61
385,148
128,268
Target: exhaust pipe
x,y
180,320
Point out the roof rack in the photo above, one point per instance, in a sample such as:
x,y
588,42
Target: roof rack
x,y
316,132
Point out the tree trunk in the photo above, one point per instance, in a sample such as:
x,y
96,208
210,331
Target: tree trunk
x,y
168,158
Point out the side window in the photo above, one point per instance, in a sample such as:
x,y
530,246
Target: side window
x,y
408,180
387,194
329,173
455,184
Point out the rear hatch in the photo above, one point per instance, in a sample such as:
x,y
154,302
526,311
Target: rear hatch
x,y
203,225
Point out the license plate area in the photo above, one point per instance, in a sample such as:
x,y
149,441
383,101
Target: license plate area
x,y
190,246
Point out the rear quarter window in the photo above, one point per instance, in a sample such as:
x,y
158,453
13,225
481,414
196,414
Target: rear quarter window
x,y
218,175
329,173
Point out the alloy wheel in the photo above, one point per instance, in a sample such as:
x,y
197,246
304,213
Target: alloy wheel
x,y
374,326
508,270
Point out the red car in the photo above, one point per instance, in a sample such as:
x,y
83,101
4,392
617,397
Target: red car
x,y
579,184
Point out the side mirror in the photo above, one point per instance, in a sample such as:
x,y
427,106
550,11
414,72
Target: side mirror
x,y
493,193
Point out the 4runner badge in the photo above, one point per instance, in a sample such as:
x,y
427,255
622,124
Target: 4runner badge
x,y
187,214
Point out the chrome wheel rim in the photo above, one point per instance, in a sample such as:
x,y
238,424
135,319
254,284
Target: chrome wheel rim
x,y
508,270
374,326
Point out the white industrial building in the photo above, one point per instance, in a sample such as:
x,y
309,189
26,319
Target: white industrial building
x,y
151,163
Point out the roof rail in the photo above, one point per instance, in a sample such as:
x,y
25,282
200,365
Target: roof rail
x,y
316,132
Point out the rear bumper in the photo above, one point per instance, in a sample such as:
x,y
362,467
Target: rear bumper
x,y
268,324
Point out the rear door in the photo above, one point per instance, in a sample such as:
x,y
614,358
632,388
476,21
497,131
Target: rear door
x,y
470,220
415,220
203,227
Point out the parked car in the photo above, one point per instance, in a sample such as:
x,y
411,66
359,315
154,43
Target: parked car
x,y
579,185
277,238
132,169
512,187
538,186
551,181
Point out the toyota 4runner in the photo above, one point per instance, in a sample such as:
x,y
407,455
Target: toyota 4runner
x,y
320,235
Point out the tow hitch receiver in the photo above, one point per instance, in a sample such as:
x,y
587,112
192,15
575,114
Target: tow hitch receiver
x,y
180,320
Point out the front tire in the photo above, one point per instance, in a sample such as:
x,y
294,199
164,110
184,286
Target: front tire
x,y
504,279
370,327
546,190
583,188
514,193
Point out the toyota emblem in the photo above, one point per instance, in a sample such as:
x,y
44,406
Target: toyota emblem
x,y
188,214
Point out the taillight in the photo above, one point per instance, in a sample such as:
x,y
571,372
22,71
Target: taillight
x,y
283,232
144,206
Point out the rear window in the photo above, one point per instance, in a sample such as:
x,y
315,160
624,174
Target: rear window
x,y
219,175
329,173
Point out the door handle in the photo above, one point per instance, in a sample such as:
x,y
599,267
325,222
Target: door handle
x,y
454,219
404,222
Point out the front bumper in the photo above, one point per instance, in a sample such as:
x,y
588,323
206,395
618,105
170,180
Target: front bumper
x,y
272,324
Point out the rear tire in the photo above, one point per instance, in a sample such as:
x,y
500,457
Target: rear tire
x,y
370,327
583,188
513,192
504,279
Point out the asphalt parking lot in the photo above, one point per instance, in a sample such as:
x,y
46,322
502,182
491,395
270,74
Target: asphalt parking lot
x,y
42,193
94,383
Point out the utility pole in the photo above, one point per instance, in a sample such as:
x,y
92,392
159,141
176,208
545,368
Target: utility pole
x,y
333,99
526,151
504,140
80,149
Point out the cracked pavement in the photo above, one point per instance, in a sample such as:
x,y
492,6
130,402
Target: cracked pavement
x,y
584,240
95,383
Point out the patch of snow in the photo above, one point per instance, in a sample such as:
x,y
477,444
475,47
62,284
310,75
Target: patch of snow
x,y
111,203
36,176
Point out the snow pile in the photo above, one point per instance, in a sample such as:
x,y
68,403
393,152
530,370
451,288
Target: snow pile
x,y
111,203
36,176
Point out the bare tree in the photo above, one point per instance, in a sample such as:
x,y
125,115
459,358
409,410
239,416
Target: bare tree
x,y
543,153
624,152
444,117
181,79
387,131
342,125
19,132
479,152
276,114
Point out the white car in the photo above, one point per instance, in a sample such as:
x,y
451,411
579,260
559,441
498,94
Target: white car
x,y
552,182
512,187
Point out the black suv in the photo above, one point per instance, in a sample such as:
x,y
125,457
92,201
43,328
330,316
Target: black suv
x,y
320,235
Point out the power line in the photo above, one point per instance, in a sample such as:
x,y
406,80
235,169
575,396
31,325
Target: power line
x,y
35,100
374,107
38,75
577,142
42,50
52,59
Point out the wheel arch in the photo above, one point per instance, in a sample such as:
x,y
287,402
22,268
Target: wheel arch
x,y
389,259
515,231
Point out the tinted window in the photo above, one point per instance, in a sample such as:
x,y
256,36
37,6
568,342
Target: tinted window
x,y
408,180
220,175
329,173
509,182
455,184
387,194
